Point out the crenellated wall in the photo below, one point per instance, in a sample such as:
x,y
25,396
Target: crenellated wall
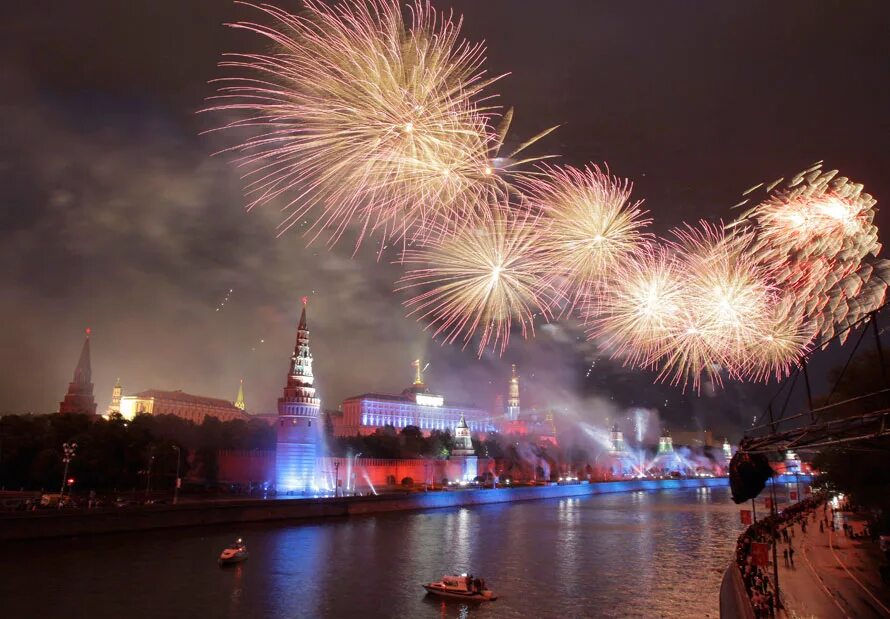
x,y
361,475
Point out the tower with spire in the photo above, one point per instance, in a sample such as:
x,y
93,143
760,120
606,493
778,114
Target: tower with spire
x,y
462,453
239,399
79,399
513,396
115,407
298,425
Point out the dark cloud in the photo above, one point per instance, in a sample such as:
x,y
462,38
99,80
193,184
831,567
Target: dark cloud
x,y
116,216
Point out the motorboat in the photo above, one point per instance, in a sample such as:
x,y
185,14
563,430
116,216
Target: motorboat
x,y
235,553
461,587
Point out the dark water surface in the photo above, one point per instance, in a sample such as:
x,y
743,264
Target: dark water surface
x,y
654,554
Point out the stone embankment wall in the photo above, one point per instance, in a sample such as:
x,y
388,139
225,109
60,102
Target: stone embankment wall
x,y
41,524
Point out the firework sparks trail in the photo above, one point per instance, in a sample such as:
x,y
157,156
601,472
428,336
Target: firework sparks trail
x,y
817,233
641,306
485,276
591,227
364,115
363,118
689,309
725,296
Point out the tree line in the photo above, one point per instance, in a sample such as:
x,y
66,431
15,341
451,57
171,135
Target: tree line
x,y
117,454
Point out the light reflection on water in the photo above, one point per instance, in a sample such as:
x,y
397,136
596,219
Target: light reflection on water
x,y
638,554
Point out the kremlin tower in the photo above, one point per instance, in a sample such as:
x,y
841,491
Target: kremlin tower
x,y
513,397
239,399
79,399
115,407
463,453
298,426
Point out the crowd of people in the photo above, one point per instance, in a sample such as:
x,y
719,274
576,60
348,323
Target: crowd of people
x,y
769,530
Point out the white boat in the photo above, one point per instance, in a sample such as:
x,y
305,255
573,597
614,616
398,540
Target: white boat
x,y
235,553
461,587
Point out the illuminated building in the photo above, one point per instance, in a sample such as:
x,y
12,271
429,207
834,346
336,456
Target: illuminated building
x,y
115,407
727,450
463,439
298,421
666,458
415,406
539,424
792,462
79,399
239,399
617,446
665,444
193,408
463,452
621,461
513,396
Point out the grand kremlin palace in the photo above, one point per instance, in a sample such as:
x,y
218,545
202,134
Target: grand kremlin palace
x,y
415,406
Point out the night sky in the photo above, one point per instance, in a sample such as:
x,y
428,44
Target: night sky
x,y
116,216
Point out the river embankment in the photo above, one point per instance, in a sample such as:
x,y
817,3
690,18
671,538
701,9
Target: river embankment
x,y
44,524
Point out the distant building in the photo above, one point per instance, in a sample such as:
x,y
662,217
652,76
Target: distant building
x,y
463,439
727,450
513,395
239,399
185,405
79,399
299,426
115,407
666,459
535,423
463,453
694,438
617,446
415,406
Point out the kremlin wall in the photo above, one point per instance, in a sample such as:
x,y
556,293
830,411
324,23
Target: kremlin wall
x,y
298,465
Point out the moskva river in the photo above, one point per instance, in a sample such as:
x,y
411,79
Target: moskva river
x,y
641,554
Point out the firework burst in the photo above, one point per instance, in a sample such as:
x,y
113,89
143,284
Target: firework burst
x,y
485,277
358,117
641,306
816,234
784,340
591,228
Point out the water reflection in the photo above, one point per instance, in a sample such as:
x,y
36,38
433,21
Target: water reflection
x,y
621,555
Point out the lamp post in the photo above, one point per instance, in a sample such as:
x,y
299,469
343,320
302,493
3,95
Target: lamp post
x,y
68,450
151,461
176,484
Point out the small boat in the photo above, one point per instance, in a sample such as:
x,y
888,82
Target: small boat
x,y
461,587
235,553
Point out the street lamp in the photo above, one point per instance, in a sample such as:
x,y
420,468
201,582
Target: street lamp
x,y
68,449
176,485
151,461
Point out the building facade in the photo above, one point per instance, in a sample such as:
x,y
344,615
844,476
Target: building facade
x,y
415,406
194,408
79,398
299,427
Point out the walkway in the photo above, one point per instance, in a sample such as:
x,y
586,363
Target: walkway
x,y
833,577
